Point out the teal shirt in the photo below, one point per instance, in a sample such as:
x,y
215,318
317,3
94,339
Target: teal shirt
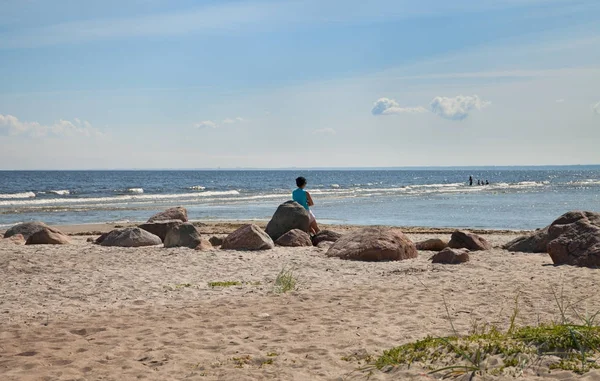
x,y
299,195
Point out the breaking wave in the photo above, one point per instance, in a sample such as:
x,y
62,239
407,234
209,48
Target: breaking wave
x,y
5,196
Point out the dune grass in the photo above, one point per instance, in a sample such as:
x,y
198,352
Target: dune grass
x,y
561,344
224,284
286,281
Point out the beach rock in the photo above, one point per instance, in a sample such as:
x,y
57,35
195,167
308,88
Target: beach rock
x,y
374,244
91,240
434,244
462,239
325,235
288,216
16,239
177,213
102,237
160,227
325,245
204,245
183,235
575,239
294,238
248,237
537,242
451,256
216,241
48,236
26,229
130,237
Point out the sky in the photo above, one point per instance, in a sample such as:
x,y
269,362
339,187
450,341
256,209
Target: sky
x,y
159,84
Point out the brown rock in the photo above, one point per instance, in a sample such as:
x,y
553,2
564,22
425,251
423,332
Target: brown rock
x,y
467,240
178,213
451,256
91,240
204,245
102,237
183,235
294,238
575,239
325,235
374,244
48,236
216,241
160,227
434,244
534,243
16,239
130,237
248,237
25,229
288,216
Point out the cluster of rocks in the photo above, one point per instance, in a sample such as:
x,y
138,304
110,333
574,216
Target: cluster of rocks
x,y
36,233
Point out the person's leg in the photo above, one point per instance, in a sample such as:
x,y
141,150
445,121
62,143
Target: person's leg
x,y
314,228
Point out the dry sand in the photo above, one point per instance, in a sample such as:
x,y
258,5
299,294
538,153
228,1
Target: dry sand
x,y
85,312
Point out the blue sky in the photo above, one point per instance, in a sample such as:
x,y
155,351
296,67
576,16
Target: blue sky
x,y
206,84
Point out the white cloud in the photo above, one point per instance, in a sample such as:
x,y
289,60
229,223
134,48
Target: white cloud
x,y
206,124
386,106
456,108
324,131
596,108
233,120
34,129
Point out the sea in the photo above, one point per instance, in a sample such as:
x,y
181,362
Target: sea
x,y
516,197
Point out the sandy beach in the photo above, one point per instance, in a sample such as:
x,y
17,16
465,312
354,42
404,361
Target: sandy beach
x,y
86,312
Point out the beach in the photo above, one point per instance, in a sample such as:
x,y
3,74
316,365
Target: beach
x,y
87,312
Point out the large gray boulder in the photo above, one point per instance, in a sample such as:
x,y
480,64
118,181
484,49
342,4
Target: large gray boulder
x,y
183,235
248,237
48,236
26,229
288,216
574,239
160,227
374,244
130,237
177,213
466,240
294,238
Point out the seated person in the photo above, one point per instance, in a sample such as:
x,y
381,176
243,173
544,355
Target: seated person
x,y
303,198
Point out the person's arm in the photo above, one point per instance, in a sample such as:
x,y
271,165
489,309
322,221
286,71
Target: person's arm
x,y
309,199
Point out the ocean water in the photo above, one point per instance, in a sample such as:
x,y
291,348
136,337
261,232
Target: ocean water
x,y
517,198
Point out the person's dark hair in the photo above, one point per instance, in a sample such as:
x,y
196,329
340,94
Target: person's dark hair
x,y
300,181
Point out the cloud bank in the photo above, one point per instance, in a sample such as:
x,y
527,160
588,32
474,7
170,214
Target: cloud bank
x,y
212,124
13,126
456,108
596,108
386,106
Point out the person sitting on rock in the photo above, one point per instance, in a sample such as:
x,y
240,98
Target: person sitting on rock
x,y
302,197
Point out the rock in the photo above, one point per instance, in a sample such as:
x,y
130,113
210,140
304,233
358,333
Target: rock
x,y
48,236
248,237
374,244
160,227
467,240
178,213
434,244
294,238
26,229
204,245
288,216
325,235
183,235
534,243
575,239
102,237
91,240
451,256
130,237
216,241
325,245
16,239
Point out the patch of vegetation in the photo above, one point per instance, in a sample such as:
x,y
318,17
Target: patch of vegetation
x,y
241,361
272,354
178,286
492,351
285,281
224,284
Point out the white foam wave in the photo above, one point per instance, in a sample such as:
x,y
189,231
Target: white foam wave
x,y
586,182
63,192
17,195
135,190
197,187
122,198
335,185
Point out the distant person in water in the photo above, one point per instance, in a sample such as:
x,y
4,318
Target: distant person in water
x,y
303,198
478,182
471,180
487,182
